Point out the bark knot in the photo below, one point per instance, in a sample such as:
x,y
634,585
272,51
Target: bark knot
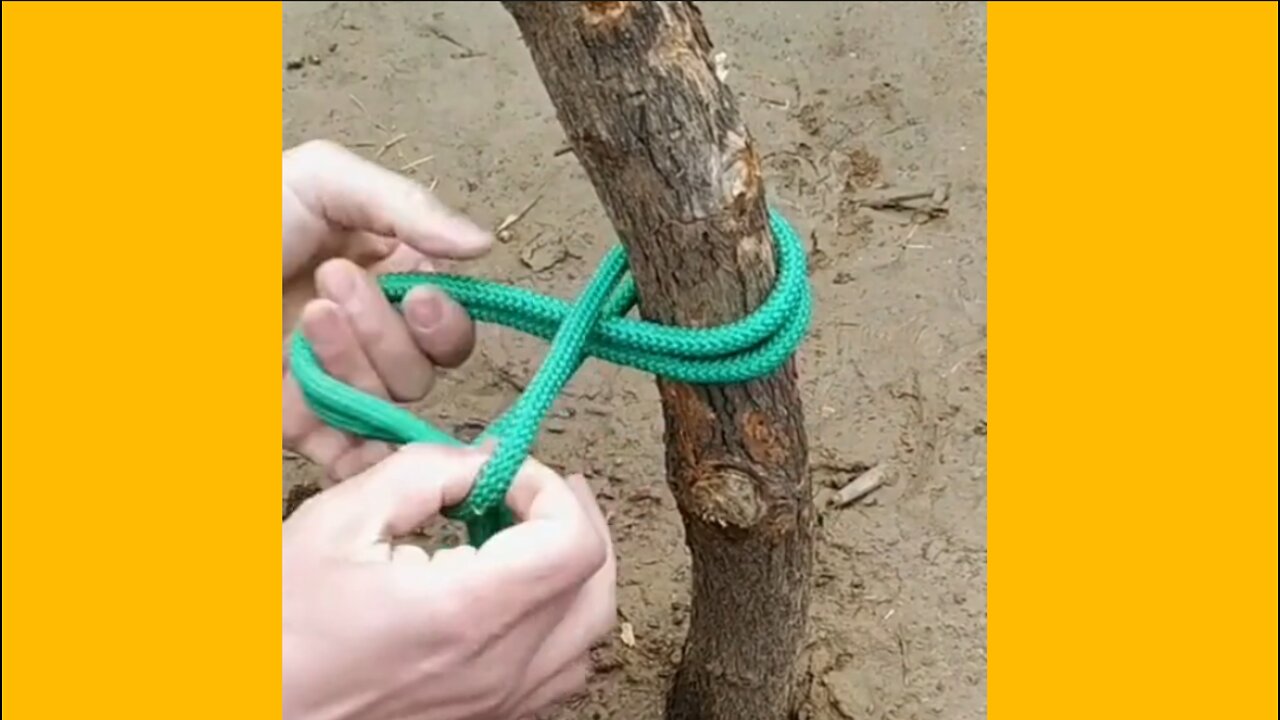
x,y
725,495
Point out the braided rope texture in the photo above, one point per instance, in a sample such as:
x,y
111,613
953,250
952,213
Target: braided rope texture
x,y
594,326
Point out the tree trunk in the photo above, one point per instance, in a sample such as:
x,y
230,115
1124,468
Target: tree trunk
x,y
662,141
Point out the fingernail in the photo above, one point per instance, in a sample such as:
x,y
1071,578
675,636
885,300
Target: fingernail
x,y
425,312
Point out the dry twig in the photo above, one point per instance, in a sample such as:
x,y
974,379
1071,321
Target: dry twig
x,y
510,220
365,110
861,486
467,52
409,166
390,144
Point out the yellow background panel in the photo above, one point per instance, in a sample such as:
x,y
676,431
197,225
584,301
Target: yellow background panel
x,y
141,261
1133,360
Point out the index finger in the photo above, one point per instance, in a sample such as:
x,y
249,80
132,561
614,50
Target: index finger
x,y
554,549
357,194
397,495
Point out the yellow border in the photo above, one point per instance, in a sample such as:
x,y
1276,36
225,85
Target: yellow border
x,y
1133,360
141,259
1132,351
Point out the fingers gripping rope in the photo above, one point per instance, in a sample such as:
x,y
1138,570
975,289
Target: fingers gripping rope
x,y
594,326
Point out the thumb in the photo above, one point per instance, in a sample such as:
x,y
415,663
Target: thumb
x,y
402,492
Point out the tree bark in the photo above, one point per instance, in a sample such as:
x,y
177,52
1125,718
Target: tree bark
x,y
661,139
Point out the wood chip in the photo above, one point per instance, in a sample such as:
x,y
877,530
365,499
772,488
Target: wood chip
x,y
940,194
627,633
721,61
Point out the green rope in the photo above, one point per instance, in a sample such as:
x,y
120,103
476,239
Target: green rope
x,y
593,326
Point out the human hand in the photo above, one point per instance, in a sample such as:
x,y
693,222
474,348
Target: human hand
x,y
345,221
375,630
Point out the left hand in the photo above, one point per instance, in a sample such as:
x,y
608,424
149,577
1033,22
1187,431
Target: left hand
x,y
347,220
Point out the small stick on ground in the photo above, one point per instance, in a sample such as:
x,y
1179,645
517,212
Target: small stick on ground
x,y
895,202
409,166
359,104
562,151
861,486
780,104
510,220
390,144
904,200
365,110
467,52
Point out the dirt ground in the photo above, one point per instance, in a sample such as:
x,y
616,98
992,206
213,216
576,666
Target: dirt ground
x,y
871,117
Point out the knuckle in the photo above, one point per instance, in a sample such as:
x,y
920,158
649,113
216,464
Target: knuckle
x,y
339,358
293,434
597,550
345,468
418,462
590,553
414,456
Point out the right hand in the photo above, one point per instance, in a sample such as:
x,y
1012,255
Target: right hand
x,y
379,631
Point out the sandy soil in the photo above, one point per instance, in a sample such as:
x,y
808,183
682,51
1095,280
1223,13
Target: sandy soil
x,y
852,104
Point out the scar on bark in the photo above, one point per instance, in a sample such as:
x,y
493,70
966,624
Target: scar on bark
x,y
719,491
697,426
606,15
746,182
764,444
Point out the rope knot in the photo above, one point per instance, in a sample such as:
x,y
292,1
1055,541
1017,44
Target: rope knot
x,y
596,325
